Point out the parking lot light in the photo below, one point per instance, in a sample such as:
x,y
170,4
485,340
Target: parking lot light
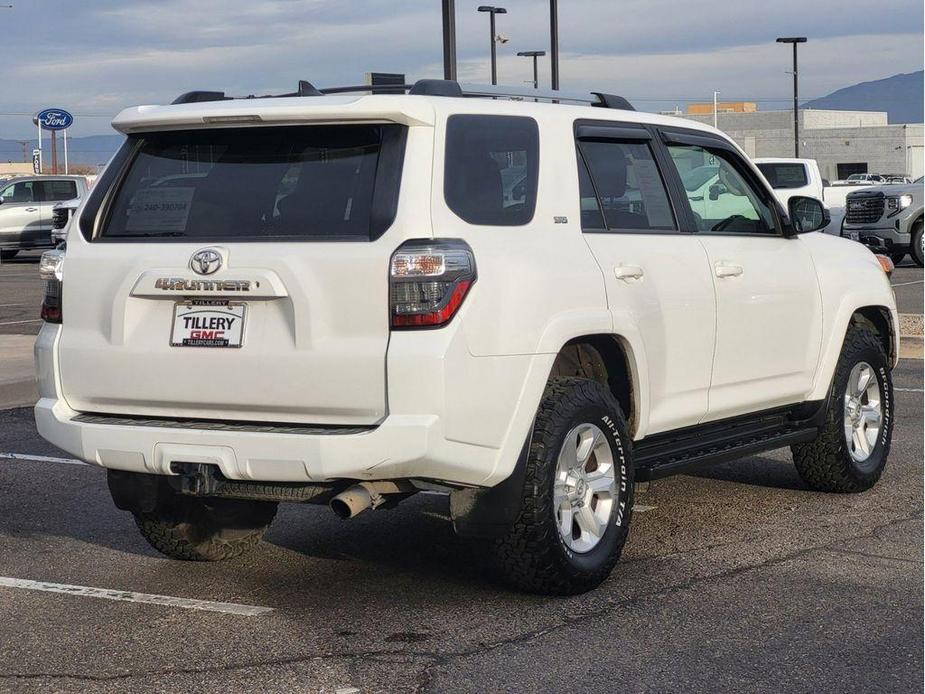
x,y
796,91
534,55
492,11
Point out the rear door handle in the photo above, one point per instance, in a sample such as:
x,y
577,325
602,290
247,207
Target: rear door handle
x,y
726,269
32,209
628,272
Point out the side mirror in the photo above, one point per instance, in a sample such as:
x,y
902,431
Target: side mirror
x,y
807,214
1,199
716,190
826,183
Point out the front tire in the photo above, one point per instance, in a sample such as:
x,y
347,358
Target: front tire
x,y
852,447
916,250
205,529
577,497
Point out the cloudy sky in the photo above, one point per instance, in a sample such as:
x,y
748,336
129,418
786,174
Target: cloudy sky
x,y
94,57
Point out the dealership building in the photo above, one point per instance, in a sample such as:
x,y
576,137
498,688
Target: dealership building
x,y
842,142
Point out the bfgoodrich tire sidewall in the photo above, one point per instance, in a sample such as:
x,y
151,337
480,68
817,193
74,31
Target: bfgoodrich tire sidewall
x,y
871,468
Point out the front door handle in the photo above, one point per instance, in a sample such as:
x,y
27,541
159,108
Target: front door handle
x,y
628,272
726,269
32,209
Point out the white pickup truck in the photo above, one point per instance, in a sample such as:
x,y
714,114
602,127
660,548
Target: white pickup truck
x,y
789,177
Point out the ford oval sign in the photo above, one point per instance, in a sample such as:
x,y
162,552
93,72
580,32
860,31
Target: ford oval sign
x,y
54,119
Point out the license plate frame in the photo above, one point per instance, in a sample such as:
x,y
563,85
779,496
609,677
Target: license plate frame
x,y
213,334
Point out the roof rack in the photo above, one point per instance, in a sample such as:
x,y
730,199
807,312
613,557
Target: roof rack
x,y
426,87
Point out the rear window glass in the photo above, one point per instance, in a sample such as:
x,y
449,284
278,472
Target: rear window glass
x,y
56,191
317,182
784,175
492,164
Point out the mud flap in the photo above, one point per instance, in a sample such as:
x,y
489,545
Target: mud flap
x,y
135,491
489,513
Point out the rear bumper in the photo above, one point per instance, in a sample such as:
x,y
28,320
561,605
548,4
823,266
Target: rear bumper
x,y
469,439
396,448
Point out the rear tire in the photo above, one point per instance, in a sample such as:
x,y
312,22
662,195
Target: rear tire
x,y
204,529
832,462
916,250
897,257
573,519
8,255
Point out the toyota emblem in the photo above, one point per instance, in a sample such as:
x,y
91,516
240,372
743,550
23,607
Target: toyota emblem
x,y
206,261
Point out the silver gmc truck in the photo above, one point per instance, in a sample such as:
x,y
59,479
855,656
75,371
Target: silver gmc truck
x,y
887,218
26,210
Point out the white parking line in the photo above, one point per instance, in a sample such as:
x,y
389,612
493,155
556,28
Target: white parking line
x,y
128,596
10,305
905,284
908,390
40,459
20,322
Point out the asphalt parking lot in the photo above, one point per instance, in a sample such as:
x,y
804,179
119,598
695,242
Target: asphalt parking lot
x,y
735,578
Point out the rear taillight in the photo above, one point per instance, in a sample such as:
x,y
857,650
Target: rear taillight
x,y
50,270
428,281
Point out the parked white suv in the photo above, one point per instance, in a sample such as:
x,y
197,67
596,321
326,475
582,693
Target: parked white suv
x,y
347,299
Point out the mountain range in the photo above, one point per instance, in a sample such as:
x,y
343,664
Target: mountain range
x,y
899,95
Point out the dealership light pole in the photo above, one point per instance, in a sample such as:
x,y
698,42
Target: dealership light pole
x,y
554,43
492,11
534,55
715,117
796,91
449,39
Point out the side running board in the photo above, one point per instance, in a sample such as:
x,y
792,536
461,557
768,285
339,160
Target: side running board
x,y
670,453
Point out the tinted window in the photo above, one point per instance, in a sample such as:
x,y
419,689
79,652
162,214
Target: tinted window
x,y
629,187
18,192
784,175
724,200
56,191
492,163
324,182
591,217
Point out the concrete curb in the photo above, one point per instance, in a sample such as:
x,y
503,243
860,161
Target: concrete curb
x,y
911,325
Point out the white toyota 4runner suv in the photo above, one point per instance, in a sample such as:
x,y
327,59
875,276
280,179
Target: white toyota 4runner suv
x,y
345,299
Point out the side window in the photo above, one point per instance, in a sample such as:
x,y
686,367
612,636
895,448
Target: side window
x,y
591,217
491,170
629,189
57,191
18,192
721,198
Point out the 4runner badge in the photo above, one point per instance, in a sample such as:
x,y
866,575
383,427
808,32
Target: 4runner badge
x,y
205,262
